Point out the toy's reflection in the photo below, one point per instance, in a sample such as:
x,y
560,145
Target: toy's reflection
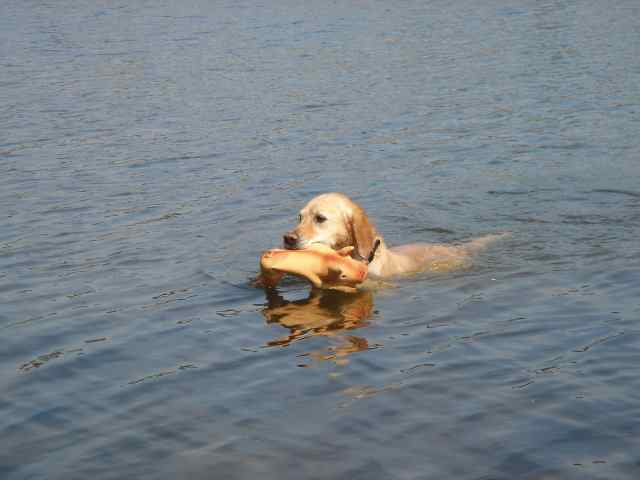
x,y
327,313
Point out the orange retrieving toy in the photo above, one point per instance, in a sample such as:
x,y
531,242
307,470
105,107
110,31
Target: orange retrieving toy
x,y
320,264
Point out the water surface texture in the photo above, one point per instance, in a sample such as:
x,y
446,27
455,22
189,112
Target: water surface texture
x,y
150,151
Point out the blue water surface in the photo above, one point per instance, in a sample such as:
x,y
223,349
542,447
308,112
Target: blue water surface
x,y
150,151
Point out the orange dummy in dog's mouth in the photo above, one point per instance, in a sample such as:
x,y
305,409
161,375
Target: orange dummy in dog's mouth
x,y
318,263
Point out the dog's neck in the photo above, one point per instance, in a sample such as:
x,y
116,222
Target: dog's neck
x,y
370,256
378,264
388,262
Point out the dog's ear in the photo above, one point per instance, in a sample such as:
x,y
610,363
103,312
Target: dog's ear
x,y
363,233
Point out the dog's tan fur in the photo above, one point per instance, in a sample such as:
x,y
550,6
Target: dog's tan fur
x,y
335,220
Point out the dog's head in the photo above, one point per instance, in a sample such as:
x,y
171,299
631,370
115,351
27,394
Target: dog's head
x,y
335,220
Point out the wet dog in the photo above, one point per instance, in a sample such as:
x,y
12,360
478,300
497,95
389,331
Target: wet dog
x,y
335,220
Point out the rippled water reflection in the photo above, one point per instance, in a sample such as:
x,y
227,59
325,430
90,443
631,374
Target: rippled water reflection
x,y
150,152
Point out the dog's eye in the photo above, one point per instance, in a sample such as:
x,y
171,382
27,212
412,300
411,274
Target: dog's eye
x,y
320,218
299,218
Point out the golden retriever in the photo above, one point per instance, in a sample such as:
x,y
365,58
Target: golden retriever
x,y
337,221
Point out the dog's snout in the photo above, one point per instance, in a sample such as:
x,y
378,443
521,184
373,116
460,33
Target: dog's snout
x,y
290,239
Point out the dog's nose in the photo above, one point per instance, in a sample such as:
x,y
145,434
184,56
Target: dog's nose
x,y
290,239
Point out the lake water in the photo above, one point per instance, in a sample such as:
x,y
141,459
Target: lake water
x,y
150,151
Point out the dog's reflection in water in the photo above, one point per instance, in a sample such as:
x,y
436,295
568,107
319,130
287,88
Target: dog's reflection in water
x,y
328,313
